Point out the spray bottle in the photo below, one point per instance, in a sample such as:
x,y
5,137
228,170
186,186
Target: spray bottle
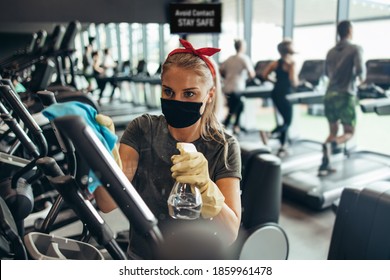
x,y
185,200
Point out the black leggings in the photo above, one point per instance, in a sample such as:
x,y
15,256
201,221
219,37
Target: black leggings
x,y
284,108
236,106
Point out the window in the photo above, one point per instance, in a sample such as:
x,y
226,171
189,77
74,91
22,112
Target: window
x,y
111,40
232,27
371,20
314,32
372,36
369,9
124,41
137,47
267,31
153,47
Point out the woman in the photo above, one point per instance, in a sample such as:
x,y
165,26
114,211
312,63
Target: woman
x,y
151,161
286,79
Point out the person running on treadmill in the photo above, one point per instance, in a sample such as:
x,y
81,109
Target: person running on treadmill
x,y
109,65
88,66
235,71
191,91
98,73
344,66
286,79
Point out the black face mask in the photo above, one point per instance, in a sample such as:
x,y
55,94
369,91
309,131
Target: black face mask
x,y
180,114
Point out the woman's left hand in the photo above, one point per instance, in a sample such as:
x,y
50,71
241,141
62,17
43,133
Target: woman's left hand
x,y
107,122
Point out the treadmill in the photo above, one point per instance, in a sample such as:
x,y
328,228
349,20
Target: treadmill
x,y
255,88
303,152
354,168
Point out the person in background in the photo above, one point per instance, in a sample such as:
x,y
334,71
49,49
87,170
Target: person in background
x,y
236,70
88,66
98,73
344,67
109,65
151,161
286,80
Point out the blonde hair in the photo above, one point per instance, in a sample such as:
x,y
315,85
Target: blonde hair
x,y
211,128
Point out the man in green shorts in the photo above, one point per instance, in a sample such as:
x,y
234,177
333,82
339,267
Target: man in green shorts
x,y
344,66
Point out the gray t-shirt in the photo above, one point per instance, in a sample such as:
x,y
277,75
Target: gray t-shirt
x,y
150,137
235,70
344,63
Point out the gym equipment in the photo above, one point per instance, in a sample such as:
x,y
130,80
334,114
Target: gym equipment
x,y
260,235
377,80
259,68
11,245
42,63
34,49
145,98
302,152
76,199
112,178
361,229
305,152
310,77
376,90
353,167
41,246
260,223
20,199
16,189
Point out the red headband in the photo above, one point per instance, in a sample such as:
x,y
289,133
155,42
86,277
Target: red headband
x,y
202,52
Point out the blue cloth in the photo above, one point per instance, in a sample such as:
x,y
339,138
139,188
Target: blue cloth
x,y
88,113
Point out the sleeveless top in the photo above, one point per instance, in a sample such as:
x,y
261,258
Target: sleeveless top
x,y
283,84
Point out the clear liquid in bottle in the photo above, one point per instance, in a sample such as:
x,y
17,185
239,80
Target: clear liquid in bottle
x,y
184,202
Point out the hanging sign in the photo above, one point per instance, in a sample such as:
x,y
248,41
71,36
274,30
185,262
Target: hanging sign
x,y
195,18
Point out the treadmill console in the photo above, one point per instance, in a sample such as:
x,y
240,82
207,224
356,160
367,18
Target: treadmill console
x,y
259,69
310,74
377,81
378,72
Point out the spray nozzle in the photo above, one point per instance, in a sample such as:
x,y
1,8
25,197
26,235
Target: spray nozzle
x,y
185,147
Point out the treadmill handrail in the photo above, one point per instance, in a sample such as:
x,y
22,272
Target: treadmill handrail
x,y
370,105
17,105
262,91
383,109
112,177
306,97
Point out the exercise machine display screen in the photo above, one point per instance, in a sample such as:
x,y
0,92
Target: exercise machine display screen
x,y
378,72
311,71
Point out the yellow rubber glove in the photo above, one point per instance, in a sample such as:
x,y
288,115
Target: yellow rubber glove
x,y
107,122
192,168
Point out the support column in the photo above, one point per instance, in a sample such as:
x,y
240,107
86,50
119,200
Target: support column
x,y
288,18
248,8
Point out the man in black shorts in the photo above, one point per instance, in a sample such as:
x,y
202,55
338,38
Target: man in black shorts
x,y
343,65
